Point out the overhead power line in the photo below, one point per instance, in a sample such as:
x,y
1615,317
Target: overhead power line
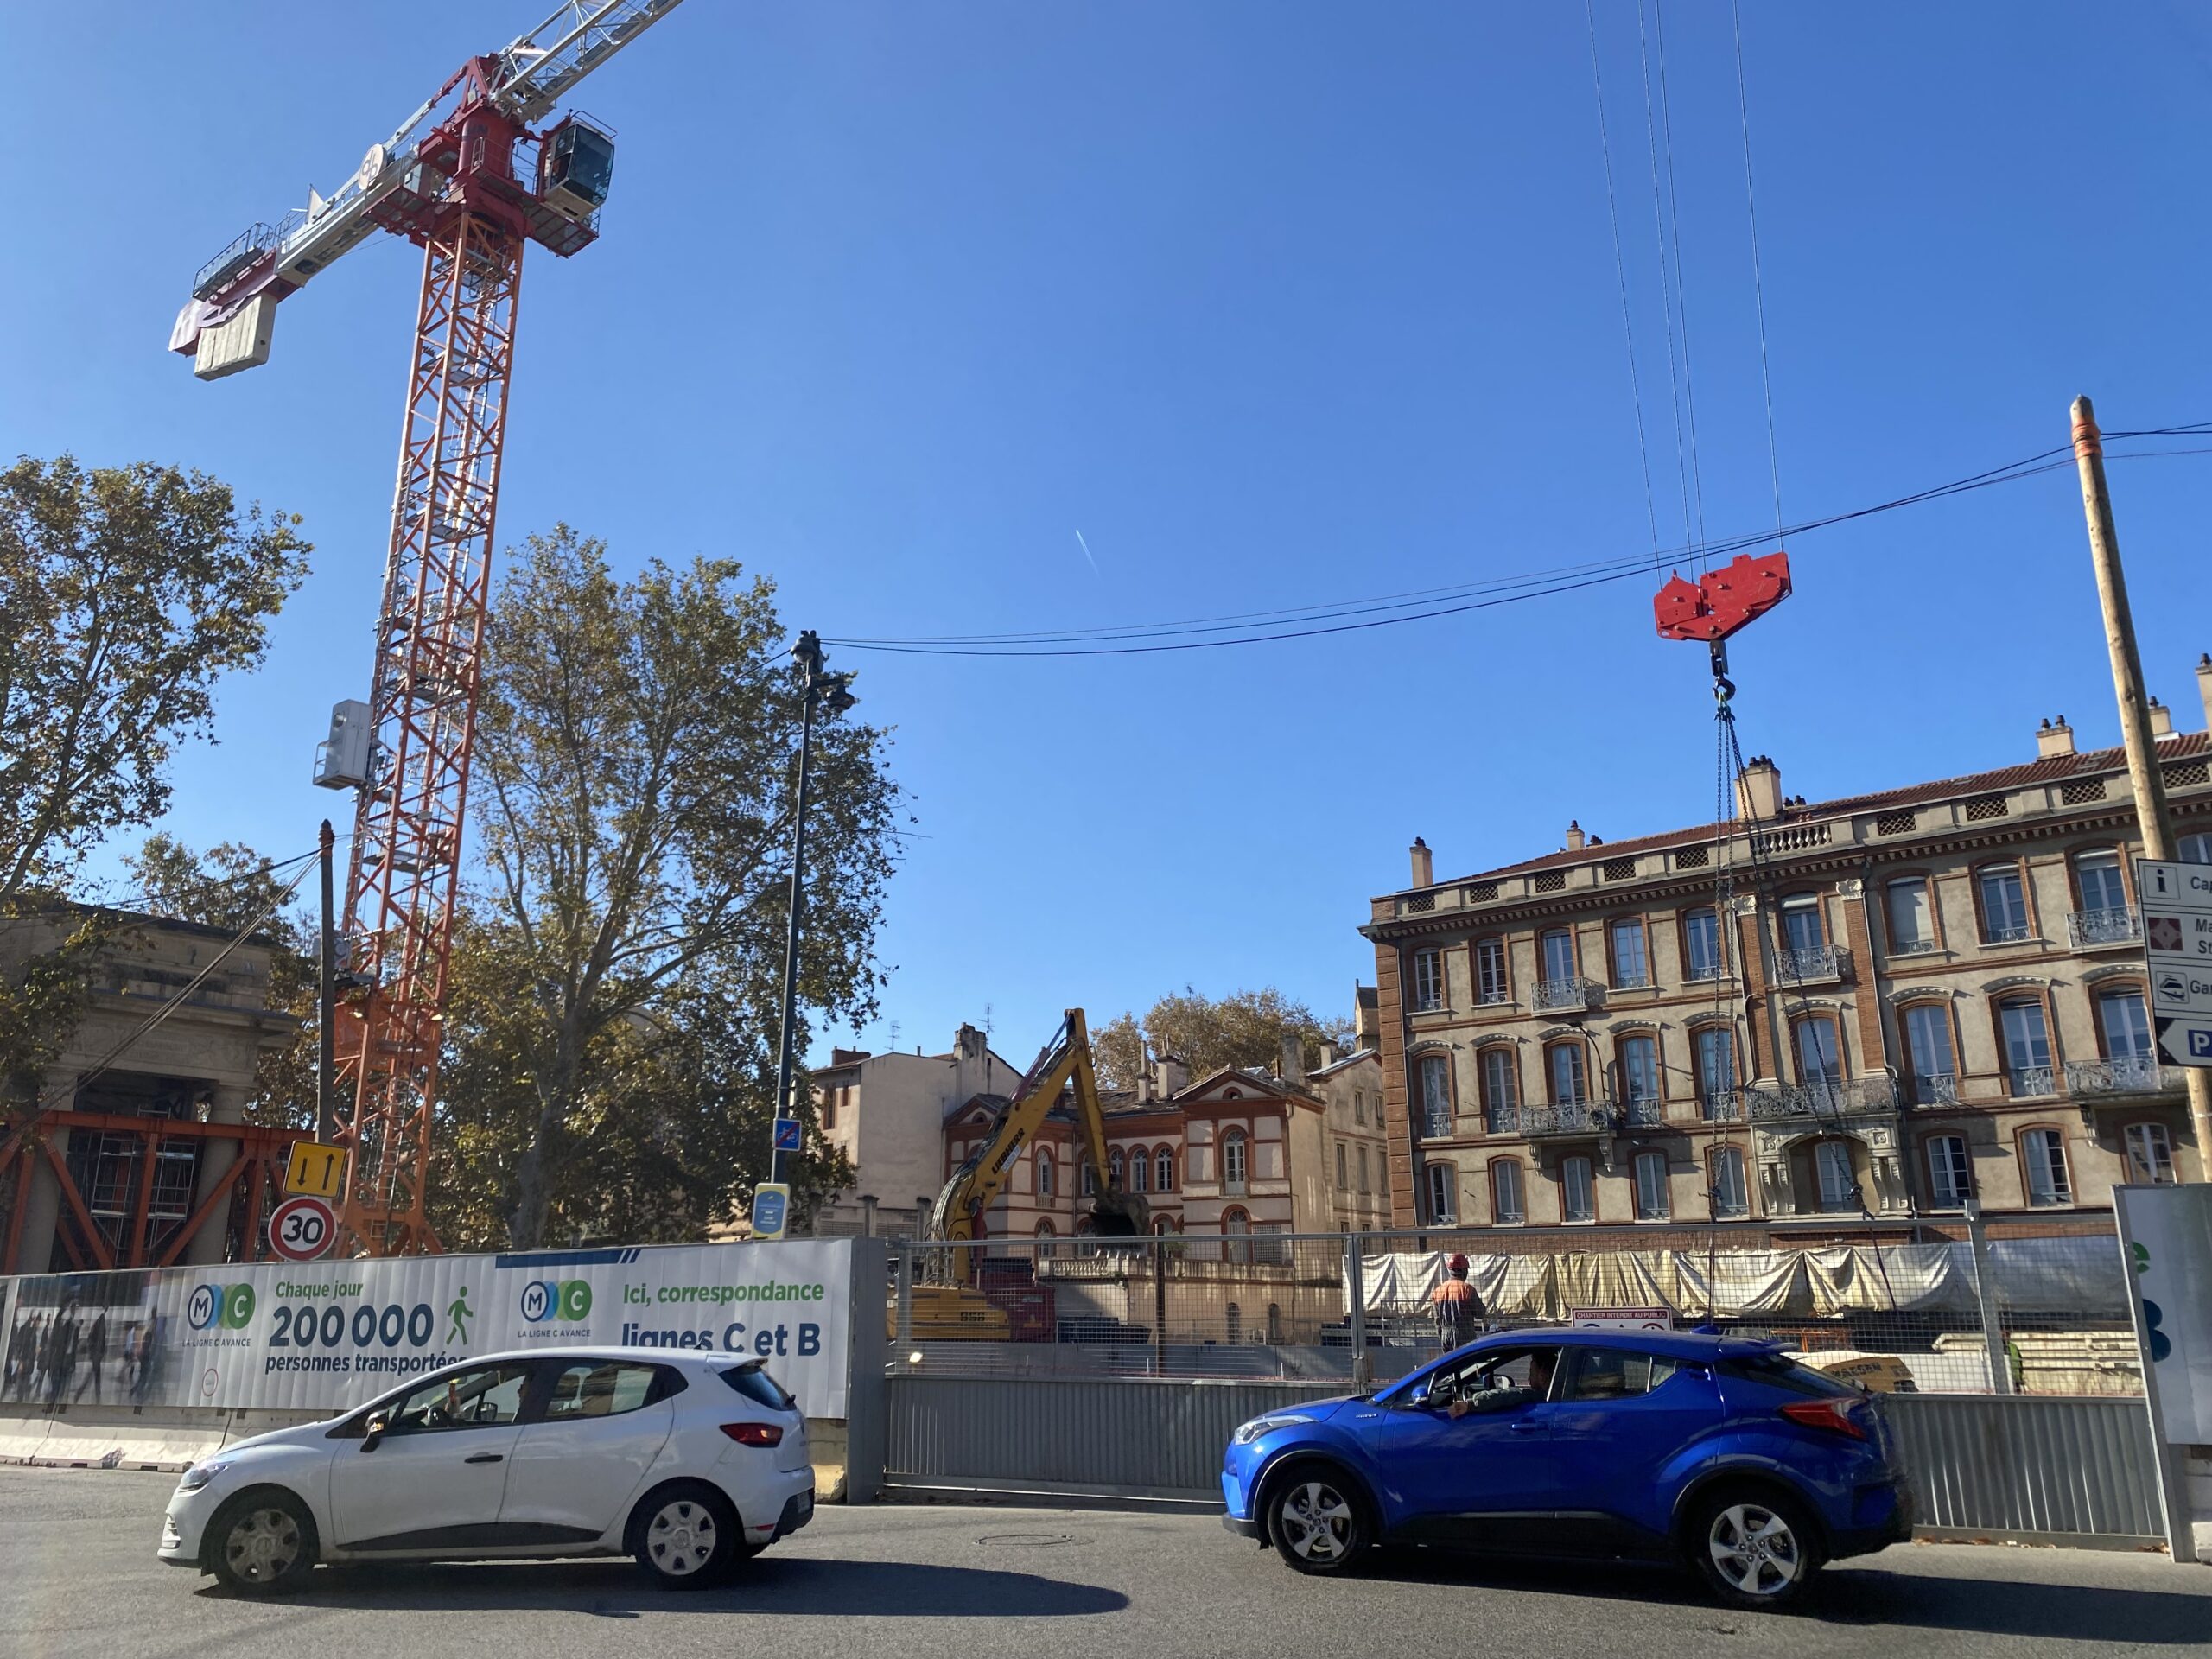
x,y
1356,616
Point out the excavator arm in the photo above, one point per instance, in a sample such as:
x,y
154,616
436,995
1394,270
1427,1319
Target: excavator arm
x,y
984,1174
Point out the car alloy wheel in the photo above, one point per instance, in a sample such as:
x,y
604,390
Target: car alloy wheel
x,y
1754,1550
680,1538
261,1545
1316,1522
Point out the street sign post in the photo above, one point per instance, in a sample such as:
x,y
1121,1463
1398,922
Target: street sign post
x,y
2176,904
302,1228
316,1170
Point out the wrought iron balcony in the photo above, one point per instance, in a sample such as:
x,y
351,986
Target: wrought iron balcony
x,y
1504,1120
2090,928
1924,946
1809,961
1935,1089
1825,1098
1646,1112
1435,1126
1722,1105
1561,995
2127,1074
2026,1082
1573,1117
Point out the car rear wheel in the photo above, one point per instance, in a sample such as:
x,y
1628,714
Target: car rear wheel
x,y
687,1536
1318,1519
1755,1548
262,1543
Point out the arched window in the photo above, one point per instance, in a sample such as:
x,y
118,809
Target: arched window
x,y
1140,1169
2104,919
1232,1161
1652,1200
1429,980
1801,933
1557,949
1046,1233
2124,1033
1701,953
1443,1194
1576,1201
1912,917
1820,1053
1163,1169
2025,1032
2150,1156
1564,1066
1505,1191
2043,1153
1044,1172
1090,1180
1435,1074
1950,1176
1163,1226
1929,1058
1499,1071
1730,1197
1712,1049
2004,901
1116,1170
1639,1063
1236,1231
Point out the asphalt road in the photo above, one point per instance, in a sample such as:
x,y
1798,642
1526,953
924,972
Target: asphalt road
x,y
78,1575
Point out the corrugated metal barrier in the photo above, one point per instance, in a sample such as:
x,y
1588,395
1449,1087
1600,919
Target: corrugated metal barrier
x,y
2027,1467
1136,1437
2031,1466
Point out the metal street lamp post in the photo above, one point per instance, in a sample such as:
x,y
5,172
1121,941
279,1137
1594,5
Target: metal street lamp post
x,y
833,693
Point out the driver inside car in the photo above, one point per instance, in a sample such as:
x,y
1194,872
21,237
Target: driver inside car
x,y
1487,1390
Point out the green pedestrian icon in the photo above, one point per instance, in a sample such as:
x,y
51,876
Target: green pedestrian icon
x,y
459,1312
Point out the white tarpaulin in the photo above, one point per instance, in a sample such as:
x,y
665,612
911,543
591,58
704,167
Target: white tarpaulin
x,y
331,1334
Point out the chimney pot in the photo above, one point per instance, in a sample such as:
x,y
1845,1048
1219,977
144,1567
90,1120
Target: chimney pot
x,y
1424,864
1574,835
2054,739
1758,792
2162,720
2204,685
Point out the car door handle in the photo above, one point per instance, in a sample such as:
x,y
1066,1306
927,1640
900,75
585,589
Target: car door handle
x,y
486,1457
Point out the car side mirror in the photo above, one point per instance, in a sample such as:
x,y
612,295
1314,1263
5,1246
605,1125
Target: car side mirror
x,y
372,1432
1419,1396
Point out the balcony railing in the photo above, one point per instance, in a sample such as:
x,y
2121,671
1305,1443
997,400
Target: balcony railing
x,y
1997,932
1504,1120
2090,928
1234,1187
1820,1098
1632,980
1573,1117
1490,995
2127,1074
1935,1089
1554,995
1435,1126
2026,1082
1722,1105
1646,1112
1924,946
1809,961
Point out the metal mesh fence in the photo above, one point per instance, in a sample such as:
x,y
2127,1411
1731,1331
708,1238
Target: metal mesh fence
x,y
2005,1308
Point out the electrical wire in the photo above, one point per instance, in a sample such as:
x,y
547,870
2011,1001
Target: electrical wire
x,y
1361,615
1758,283
1620,270
146,901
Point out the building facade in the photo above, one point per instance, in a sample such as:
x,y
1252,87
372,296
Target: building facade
x,y
1878,1005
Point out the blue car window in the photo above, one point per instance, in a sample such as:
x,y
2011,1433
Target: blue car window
x,y
1616,1374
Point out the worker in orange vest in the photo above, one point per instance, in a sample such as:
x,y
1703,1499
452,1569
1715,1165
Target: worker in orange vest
x,y
1459,1309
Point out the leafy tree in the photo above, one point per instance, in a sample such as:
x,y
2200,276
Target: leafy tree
x,y
1244,1028
125,593
1117,1050
231,887
635,766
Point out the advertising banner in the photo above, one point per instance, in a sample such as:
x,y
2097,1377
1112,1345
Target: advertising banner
x,y
2167,1233
329,1335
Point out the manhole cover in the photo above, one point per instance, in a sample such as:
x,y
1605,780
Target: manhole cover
x,y
1025,1539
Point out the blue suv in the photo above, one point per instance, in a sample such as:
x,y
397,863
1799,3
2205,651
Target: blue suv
x,y
1645,1445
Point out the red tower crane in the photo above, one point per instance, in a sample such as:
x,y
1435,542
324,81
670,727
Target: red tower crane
x,y
467,180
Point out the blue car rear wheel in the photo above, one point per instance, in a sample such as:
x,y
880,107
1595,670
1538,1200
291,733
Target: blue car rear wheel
x,y
1317,1518
1756,1548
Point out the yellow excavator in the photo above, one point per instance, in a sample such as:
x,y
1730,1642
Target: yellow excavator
x,y
949,1305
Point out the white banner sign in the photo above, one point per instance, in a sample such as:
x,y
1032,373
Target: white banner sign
x,y
328,1335
2167,1233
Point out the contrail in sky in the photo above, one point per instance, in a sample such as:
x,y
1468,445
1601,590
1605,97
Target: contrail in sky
x,y
1085,546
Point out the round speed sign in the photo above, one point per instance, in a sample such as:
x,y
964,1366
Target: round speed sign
x,y
301,1229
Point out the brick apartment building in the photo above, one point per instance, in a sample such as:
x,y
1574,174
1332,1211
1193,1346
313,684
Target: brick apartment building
x,y
1882,1005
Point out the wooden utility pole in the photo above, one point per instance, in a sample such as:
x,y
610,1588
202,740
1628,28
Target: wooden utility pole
x,y
2134,713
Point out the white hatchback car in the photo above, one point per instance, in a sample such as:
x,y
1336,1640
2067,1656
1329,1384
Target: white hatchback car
x,y
689,1462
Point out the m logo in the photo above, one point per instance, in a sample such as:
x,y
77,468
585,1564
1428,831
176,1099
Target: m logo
x,y
228,1306
568,1301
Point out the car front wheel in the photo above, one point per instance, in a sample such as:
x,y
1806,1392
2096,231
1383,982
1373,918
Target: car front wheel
x,y
262,1543
1317,1519
1756,1549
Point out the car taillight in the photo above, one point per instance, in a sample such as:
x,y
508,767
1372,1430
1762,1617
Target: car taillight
x,y
1834,1415
754,1433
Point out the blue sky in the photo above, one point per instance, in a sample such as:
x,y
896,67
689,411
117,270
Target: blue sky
x,y
1273,302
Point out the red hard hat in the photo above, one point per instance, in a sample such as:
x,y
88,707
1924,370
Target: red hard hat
x,y
1457,1264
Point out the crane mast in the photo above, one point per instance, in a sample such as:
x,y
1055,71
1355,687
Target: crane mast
x,y
467,179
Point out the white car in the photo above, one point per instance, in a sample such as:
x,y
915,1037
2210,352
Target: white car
x,y
689,1462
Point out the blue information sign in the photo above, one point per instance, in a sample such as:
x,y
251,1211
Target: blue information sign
x,y
771,1204
787,1135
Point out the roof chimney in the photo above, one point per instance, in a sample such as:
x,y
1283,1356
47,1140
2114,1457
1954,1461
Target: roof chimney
x,y
2162,720
1424,864
1328,1054
1291,1065
1758,792
1169,1074
2204,684
2052,740
1574,837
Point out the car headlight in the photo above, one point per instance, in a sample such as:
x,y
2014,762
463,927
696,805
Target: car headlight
x,y
200,1474
1247,1433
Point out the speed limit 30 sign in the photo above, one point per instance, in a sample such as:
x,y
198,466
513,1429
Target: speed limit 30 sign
x,y
301,1229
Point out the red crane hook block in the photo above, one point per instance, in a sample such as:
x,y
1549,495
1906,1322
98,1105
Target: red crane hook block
x,y
1727,600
